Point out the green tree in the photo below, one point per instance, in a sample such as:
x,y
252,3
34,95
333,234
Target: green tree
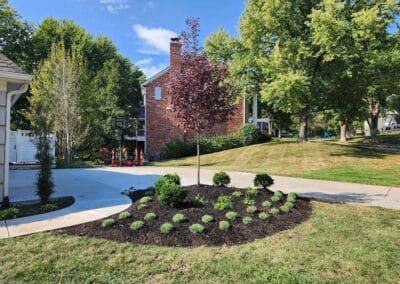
x,y
220,46
281,61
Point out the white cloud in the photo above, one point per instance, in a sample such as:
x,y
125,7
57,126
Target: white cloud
x,y
144,61
156,38
113,6
152,69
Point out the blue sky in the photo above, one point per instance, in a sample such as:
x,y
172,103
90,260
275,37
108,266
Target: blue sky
x,y
139,28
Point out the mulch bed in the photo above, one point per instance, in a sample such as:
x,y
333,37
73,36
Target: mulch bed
x,y
238,233
31,208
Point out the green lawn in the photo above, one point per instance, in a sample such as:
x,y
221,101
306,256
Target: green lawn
x,y
339,243
331,161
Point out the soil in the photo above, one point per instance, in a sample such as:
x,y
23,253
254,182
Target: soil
x,y
237,234
31,208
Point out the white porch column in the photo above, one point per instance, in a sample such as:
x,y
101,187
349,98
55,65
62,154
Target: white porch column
x,y
255,109
3,140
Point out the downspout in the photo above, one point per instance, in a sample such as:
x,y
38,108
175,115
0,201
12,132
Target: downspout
x,y
10,95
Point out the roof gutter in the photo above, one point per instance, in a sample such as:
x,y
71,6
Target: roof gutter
x,y
16,77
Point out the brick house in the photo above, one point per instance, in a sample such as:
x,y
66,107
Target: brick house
x,y
160,125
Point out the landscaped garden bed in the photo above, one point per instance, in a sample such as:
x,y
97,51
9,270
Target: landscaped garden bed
x,y
35,207
207,215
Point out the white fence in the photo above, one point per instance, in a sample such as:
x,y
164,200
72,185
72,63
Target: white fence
x,y
22,148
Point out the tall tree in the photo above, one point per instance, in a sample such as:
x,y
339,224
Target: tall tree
x,y
359,56
58,82
200,95
281,61
220,46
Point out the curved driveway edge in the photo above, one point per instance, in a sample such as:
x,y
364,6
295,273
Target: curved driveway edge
x,y
97,193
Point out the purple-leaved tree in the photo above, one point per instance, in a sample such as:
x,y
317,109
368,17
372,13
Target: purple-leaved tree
x,y
200,94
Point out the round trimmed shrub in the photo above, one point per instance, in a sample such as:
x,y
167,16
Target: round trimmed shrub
x,y
251,192
250,134
247,220
108,223
171,194
166,228
291,197
231,215
251,209
196,228
289,204
237,194
263,216
274,211
145,199
224,225
137,225
263,180
150,217
179,218
284,208
275,198
167,179
207,218
141,206
221,179
278,194
124,215
266,203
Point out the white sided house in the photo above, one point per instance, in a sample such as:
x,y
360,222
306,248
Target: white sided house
x,y
13,82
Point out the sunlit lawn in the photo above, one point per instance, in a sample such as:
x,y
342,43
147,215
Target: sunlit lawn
x,y
339,243
330,161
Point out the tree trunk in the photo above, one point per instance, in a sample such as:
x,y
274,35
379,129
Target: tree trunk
x,y
303,126
374,125
198,158
343,131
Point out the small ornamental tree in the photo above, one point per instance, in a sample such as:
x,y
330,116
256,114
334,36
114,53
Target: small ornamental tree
x,y
201,96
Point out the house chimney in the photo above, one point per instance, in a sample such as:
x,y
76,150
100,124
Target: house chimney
x,y
175,55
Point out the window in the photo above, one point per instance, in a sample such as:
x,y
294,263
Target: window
x,y
157,93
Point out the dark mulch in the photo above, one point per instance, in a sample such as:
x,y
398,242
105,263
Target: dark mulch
x,y
181,236
35,207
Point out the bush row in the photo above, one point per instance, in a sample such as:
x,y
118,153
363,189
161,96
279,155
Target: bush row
x,y
247,135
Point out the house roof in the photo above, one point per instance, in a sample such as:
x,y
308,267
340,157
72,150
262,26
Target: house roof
x,y
152,78
11,70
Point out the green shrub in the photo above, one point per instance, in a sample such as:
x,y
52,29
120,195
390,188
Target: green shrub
x,y
196,228
275,198
284,208
247,220
237,194
248,201
108,223
224,225
250,134
231,215
292,194
289,204
251,192
207,218
263,180
221,179
166,228
267,204
274,211
137,225
145,199
8,213
263,216
251,209
171,194
166,179
141,206
224,202
178,149
291,197
179,218
278,194
150,217
124,215
198,201
48,207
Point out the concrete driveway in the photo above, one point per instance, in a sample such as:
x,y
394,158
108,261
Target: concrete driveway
x,y
97,193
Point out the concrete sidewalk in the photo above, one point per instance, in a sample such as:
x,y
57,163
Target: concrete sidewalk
x,y
97,193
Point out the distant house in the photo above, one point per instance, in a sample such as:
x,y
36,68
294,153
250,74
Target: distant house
x,y
160,124
13,82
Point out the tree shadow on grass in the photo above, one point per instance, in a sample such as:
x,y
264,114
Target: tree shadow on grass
x,y
351,197
361,152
